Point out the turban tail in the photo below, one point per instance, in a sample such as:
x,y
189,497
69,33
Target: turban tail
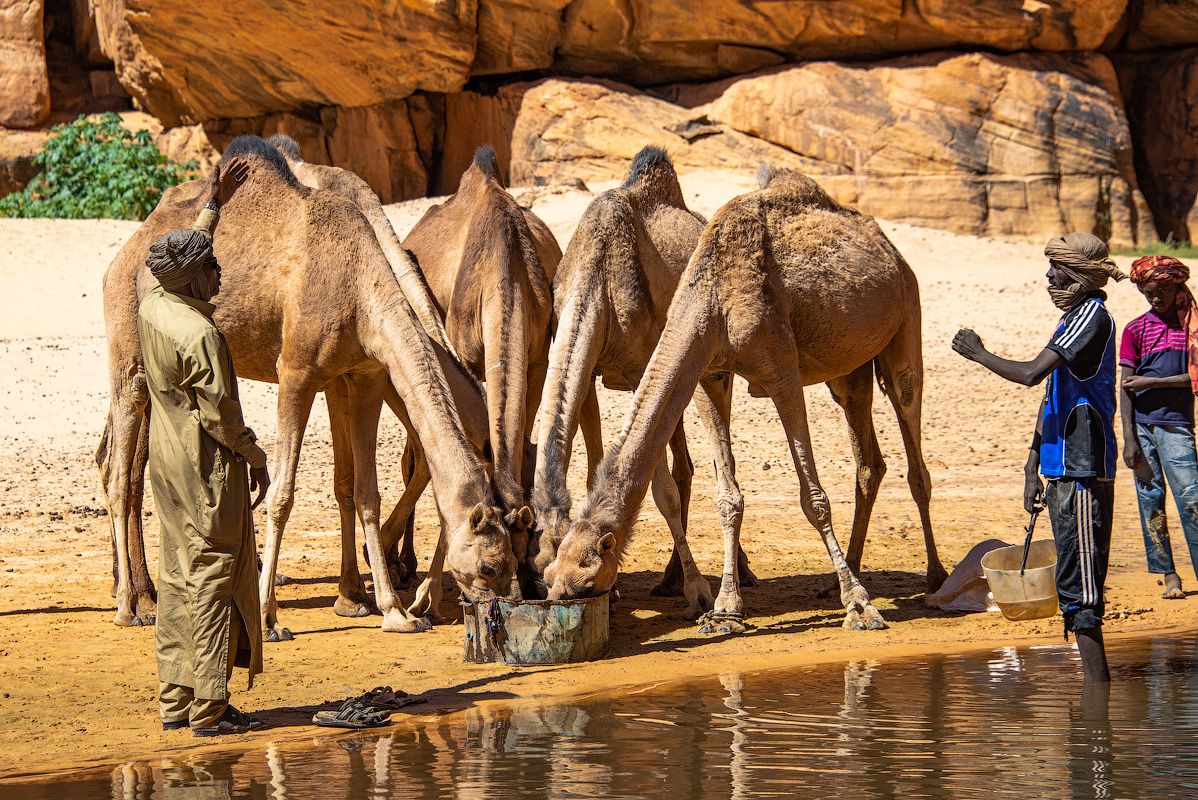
x,y
1084,258
176,258
1166,269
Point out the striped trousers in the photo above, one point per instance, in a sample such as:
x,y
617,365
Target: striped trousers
x,y
1081,510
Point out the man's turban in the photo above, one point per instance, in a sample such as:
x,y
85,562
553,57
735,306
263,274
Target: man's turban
x,y
1167,269
176,258
1084,258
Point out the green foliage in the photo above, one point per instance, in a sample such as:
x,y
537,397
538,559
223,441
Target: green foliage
x,y
96,169
1165,248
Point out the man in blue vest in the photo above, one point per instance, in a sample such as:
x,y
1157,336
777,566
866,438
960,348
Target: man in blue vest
x,y
1074,443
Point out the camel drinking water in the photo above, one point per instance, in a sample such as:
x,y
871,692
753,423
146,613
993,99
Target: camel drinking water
x,y
308,298
786,288
489,264
611,294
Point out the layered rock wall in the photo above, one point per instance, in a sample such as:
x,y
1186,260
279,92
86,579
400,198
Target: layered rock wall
x,y
1023,137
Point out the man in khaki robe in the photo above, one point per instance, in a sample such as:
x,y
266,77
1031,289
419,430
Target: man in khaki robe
x,y
208,614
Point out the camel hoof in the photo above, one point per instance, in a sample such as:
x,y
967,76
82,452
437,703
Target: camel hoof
x,y
281,580
279,635
395,621
936,579
722,622
747,578
664,589
344,607
147,619
853,621
873,619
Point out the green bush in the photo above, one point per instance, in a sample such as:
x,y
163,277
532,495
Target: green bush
x,y
1165,248
96,169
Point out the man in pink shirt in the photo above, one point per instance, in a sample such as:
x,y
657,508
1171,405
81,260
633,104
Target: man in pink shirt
x,y
1158,377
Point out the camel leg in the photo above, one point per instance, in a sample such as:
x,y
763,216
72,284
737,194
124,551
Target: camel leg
x,y
792,408
352,597
681,473
427,604
401,547
592,431
366,401
900,371
695,587
855,394
115,459
145,597
295,404
714,404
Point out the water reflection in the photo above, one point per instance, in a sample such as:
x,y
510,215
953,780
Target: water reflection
x,y
1009,723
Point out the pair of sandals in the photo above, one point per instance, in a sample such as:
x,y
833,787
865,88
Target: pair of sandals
x,y
371,710
232,721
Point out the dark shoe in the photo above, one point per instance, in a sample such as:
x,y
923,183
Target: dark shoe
x,y
232,721
174,724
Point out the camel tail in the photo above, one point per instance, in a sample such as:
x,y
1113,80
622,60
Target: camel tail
x,y
286,145
487,161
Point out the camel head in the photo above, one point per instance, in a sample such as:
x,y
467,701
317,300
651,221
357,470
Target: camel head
x,y
480,556
587,562
543,540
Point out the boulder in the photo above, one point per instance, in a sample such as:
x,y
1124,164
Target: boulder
x,y
17,151
391,146
650,43
517,35
187,64
24,84
1162,109
1026,146
556,131
1155,24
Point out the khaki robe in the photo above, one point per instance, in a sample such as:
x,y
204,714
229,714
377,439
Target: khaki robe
x,y
207,561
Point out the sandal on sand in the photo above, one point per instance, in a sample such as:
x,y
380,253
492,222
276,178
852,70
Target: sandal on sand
x,y
352,714
384,697
232,721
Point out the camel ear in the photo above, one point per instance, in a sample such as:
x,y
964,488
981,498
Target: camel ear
x,y
476,517
606,543
526,517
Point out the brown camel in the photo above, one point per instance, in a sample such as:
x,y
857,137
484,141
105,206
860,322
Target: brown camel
x,y
786,288
611,293
308,299
489,264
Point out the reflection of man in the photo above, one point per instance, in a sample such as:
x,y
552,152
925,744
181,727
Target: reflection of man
x,y
1074,443
1159,375
207,570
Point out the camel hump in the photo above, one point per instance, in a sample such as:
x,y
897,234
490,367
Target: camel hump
x,y
285,145
795,187
256,149
487,161
650,159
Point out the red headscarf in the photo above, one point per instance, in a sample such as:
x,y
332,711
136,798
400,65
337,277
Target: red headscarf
x,y
1166,269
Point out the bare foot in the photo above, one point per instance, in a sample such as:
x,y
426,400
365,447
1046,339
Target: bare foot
x,y
1173,587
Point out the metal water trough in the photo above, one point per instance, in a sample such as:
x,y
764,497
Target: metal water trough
x,y
535,632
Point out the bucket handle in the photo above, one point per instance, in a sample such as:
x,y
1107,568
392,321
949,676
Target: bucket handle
x,y
1027,543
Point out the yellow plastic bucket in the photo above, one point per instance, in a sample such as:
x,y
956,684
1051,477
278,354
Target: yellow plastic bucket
x,y
1032,595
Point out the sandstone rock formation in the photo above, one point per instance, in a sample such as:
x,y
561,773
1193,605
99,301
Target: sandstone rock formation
x,y
1162,108
1154,24
17,150
187,64
24,84
392,146
556,130
1023,145
652,42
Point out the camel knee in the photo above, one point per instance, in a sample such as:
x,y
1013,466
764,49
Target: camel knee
x,y
817,508
279,502
732,508
343,492
921,484
870,474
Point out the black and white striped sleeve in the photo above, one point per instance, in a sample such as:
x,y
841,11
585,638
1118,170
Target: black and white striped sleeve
x,y
1083,336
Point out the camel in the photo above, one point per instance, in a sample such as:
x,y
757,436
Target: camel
x,y
786,288
489,264
611,293
309,298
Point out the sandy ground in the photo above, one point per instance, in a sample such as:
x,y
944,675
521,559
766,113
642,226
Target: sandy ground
x,y
78,691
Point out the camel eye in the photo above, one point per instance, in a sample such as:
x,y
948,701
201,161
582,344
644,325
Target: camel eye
x,y
489,571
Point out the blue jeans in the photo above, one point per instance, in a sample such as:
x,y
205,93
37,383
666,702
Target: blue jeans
x,y
1169,450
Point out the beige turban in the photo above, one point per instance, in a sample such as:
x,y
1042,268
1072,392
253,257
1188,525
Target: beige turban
x,y
1084,258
